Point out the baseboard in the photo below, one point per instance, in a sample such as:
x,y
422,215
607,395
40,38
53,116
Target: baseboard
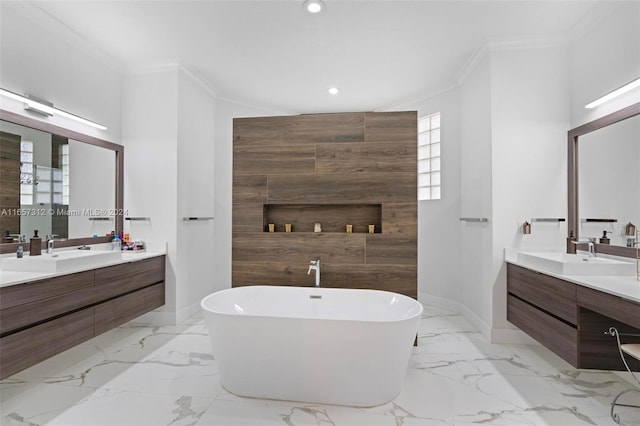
x,y
439,302
187,312
476,322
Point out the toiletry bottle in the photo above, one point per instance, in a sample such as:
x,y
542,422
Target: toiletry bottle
x,y
571,247
116,243
35,245
20,250
604,239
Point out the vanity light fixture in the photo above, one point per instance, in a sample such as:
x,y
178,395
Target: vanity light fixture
x,y
334,90
313,6
615,93
40,106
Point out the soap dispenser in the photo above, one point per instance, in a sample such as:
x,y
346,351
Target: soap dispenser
x,y
116,243
604,239
35,244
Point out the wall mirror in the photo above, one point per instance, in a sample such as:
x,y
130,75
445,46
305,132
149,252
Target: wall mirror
x,y
604,179
57,181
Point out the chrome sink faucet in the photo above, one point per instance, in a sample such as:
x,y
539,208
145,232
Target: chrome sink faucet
x,y
591,243
315,265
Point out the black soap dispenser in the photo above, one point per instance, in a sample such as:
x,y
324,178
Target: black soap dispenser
x,y
604,239
35,245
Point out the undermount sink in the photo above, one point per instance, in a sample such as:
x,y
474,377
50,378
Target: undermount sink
x,y
576,264
63,261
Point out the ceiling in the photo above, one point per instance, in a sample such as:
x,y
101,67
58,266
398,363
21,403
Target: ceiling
x,y
274,54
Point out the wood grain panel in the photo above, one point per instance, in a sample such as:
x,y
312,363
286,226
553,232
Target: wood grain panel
x,y
551,294
28,314
289,273
324,128
256,160
396,278
615,307
9,182
391,127
115,280
28,347
556,335
392,249
299,247
600,351
33,291
248,217
332,217
400,218
250,189
258,131
125,308
369,157
342,188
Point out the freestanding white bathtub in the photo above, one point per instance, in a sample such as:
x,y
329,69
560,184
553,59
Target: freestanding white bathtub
x,y
321,345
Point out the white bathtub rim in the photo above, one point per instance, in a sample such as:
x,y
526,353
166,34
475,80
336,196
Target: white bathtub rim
x,y
418,314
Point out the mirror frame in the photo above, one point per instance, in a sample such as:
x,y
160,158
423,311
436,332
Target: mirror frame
x,y
81,137
573,137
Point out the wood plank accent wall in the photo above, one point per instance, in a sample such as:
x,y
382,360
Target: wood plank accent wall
x,y
358,168
9,183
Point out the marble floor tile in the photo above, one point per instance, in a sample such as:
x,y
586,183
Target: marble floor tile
x,y
138,375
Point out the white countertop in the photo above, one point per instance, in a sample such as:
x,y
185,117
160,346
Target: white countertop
x,y
627,287
8,278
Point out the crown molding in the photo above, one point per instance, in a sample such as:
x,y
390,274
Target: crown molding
x,y
193,75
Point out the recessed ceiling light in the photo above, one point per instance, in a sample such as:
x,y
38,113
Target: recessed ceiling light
x,y
313,6
334,90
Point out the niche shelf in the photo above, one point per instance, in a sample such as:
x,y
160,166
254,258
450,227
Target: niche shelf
x,y
332,217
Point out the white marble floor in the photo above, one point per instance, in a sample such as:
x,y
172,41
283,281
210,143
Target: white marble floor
x,y
135,376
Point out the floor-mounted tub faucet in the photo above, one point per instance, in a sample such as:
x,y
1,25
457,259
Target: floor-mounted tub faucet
x,y
315,265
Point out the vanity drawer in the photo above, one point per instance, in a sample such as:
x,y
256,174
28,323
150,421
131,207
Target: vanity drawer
x,y
612,306
29,292
125,308
28,347
116,280
558,336
551,294
27,314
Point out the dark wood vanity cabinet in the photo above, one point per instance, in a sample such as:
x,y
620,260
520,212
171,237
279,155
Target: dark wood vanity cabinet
x,y
545,308
42,318
570,319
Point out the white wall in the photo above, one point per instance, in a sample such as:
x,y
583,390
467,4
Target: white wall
x,y
150,137
195,193
168,123
529,121
439,280
476,196
44,63
603,58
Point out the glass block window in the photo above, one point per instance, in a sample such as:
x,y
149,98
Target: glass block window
x,y
429,157
26,173
64,177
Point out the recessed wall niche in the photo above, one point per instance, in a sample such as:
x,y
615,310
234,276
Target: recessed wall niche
x,y
332,169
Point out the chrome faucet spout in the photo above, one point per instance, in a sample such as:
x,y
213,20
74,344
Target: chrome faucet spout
x,y
314,264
